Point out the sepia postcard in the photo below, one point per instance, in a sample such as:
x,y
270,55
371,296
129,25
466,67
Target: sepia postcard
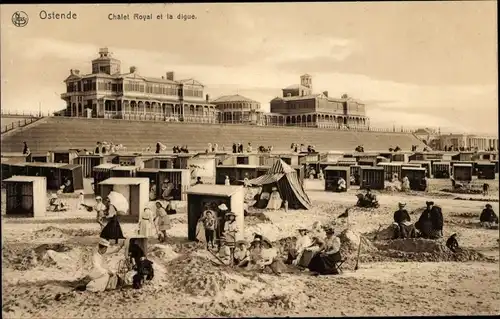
x,y
249,159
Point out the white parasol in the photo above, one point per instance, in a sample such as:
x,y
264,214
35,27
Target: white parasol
x,y
119,201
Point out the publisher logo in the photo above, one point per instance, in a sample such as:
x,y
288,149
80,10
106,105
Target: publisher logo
x,y
20,19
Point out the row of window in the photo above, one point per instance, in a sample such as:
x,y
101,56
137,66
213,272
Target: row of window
x,y
89,85
238,106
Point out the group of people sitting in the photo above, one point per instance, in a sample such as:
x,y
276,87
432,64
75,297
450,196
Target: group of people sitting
x,y
180,149
359,149
396,149
429,225
263,149
317,250
367,200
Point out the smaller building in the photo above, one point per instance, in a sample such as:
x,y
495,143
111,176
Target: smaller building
x,y
238,109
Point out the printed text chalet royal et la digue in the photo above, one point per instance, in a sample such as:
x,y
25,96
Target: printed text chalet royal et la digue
x,y
145,16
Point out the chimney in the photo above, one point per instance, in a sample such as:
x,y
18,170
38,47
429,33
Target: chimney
x,y
170,76
207,97
133,69
325,93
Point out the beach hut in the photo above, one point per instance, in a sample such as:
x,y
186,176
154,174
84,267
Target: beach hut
x,y
26,196
496,165
124,171
181,180
126,159
462,172
101,173
372,177
39,157
62,156
236,173
88,162
214,195
367,160
333,174
403,157
160,162
441,169
485,170
391,169
73,173
425,164
49,170
134,189
416,176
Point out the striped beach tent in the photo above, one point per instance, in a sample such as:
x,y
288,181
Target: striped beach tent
x,y
287,182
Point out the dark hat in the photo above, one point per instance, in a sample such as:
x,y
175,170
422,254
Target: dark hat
x,y
429,203
368,189
329,230
230,214
303,229
489,206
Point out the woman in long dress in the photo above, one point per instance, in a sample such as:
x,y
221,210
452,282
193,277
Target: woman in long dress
x,y
112,230
145,228
275,200
230,230
163,221
323,263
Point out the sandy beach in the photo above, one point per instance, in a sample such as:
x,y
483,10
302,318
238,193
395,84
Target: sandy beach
x,y
43,258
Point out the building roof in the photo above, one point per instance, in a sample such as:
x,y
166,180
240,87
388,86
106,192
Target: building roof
x,y
125,168
337,168
293,87
18,178
124,181
411,168
40,164
233,98
217,190
105,166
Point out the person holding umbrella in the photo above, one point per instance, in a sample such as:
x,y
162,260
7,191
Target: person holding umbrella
x,y
115,203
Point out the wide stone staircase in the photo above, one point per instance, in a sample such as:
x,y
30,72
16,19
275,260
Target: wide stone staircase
x,y
63,133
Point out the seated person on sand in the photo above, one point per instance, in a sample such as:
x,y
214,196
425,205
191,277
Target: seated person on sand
x,y
455,185
269,257
312,172
224,253
303,241
402,225
56,204
135,253
241,256
101,277
254,253
405,185
227,181
341,185
321,176
152,192
263,200
323,263
166,189
488,217
430,223
275,200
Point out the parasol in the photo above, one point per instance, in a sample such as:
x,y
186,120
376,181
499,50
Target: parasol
x,y
119,201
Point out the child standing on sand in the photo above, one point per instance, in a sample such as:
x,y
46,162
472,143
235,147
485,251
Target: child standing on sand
x,y
81,201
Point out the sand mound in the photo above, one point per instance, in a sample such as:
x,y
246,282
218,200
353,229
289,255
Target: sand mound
x,y
466,215
29,258
462,191
426,250
195,276
164,252
350,243
56,232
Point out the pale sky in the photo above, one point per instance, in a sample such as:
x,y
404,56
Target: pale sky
x,y
413,64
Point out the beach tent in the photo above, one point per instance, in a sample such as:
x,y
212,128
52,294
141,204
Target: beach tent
x,y
287,182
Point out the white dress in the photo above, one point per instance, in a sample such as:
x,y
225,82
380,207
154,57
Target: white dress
x,y
99,274
275,201
145,227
